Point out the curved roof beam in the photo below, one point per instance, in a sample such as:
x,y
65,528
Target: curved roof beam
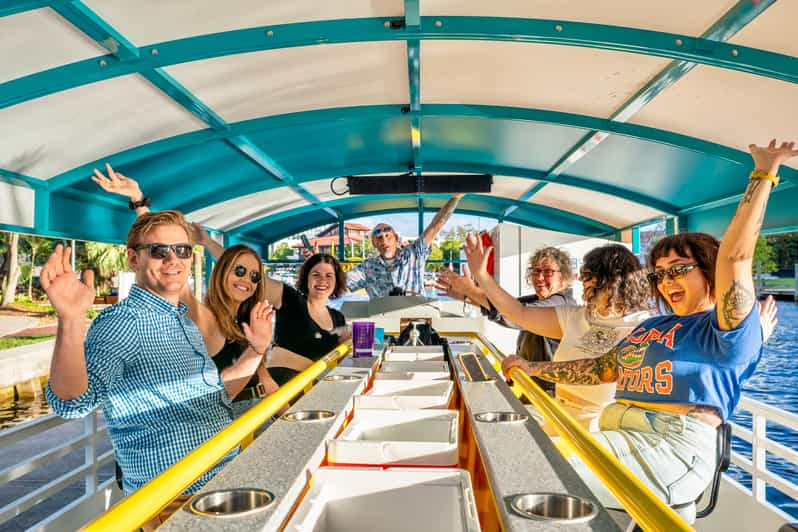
x,y
616,38
559,218
381,112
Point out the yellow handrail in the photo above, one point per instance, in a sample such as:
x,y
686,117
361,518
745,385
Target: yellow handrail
x,y
647,509
146,502
641,503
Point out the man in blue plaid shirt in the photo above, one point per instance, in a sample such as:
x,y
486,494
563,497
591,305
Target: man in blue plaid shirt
x,y
398,268
143,360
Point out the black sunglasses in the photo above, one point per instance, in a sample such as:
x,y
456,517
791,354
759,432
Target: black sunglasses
x,y
241,271
161,251
676,272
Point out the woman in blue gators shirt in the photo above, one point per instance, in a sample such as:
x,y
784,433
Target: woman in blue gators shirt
x,y
679,375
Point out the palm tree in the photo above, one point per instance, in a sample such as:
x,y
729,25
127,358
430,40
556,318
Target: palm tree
x,y
106,260
12,270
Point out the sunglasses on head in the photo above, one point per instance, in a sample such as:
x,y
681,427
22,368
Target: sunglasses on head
x,y
161,251
586,275
241,271
676,272
380,230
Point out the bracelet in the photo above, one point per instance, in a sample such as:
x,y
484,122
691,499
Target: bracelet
x,y
761,174
143,202
258,352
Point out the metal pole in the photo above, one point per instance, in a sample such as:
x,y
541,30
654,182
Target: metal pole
x,y
795,285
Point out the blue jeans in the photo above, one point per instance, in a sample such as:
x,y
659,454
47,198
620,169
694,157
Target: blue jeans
x,y
672,454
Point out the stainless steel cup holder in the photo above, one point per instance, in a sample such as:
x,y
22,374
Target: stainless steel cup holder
x,y
501,417
343,378
557,507
308,415
230,503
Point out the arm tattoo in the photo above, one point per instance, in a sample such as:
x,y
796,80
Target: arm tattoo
x,y
737,301
599,370
752,187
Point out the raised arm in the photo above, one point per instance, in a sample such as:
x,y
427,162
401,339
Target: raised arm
x,y
734,284
539,320
439,220
71,298
601,370
117,183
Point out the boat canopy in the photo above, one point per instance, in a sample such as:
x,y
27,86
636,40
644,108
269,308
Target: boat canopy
x,y
592,117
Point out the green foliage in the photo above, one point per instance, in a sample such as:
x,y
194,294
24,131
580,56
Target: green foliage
x,y
91,313
18,341
764,257
785,250
282,252
105,260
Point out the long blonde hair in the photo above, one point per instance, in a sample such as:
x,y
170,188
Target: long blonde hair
x,y
219,301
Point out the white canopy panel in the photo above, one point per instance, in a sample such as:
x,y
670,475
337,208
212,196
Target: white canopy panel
x,y
605,208
687,17
245,86
773,30
74,127
154,21
560,78
39,40
232,213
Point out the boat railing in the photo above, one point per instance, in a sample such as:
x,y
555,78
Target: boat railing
x,y
761,444
90,440
642,504
146,502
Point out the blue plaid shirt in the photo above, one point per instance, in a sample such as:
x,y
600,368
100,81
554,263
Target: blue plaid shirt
x,y
406,271
160,392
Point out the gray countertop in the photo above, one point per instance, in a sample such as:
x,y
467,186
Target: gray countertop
x,y
518,457
281,459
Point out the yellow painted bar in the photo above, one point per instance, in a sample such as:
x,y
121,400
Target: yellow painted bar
x,y
646,508
146,502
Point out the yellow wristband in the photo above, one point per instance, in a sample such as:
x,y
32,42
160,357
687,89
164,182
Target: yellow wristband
x,y
761,174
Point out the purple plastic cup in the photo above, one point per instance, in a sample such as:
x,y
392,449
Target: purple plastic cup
x,y
362,338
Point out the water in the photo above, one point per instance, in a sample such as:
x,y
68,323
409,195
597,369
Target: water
x,y
774,383
21,410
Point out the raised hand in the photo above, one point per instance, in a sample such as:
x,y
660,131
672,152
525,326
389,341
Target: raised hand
x,y
770,157
259,329
767,317
116,183
454,285
477,256
199,235
308,253
70,296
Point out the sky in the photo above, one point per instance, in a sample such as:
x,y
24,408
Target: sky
x,y
407,223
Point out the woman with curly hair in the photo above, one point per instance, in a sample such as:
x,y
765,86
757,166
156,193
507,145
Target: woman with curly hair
x,y
549,274
616,300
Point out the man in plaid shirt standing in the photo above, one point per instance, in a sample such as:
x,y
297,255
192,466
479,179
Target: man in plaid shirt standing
x,y
396,267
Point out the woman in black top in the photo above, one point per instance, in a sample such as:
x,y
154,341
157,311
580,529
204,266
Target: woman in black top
x,y
306,328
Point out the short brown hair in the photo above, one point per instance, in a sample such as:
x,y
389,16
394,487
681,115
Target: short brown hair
x,y
561,257
149,221
700,247
304,273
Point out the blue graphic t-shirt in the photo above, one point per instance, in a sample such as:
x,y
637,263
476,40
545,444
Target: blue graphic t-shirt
x,y
689,360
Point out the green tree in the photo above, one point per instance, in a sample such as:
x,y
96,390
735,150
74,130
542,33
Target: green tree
x,y
435,254
785,248
105,260
282,252
11,268
38,246
764,257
